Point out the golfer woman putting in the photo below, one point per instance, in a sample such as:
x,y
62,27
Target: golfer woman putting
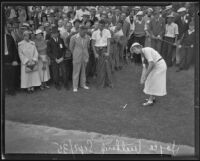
x,y
154,72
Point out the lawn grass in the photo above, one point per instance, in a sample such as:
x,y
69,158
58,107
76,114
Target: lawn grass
x,y
101,110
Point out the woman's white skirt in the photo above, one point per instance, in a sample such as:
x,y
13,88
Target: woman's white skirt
x,y
44,74
155,83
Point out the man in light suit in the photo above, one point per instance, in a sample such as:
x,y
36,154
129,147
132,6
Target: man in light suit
x,y
79,45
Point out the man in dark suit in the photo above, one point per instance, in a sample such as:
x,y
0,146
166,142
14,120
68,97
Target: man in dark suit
x,y
116,16
182,20
56,51
11,60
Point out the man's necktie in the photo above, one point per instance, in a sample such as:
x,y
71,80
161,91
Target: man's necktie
x,y
101,33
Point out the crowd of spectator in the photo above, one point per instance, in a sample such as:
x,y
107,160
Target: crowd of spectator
x,y
46,45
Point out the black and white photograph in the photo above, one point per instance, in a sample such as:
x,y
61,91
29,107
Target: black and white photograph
x,y
99,77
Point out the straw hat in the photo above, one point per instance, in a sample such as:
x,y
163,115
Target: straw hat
x,y
38,31
140,13
182,9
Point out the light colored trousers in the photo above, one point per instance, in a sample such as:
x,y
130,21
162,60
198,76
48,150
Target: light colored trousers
x,y
79,70
177,54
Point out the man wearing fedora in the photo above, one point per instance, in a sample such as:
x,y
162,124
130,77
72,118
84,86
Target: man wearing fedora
x,y
56,51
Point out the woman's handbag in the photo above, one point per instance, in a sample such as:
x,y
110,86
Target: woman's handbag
x,y
31,68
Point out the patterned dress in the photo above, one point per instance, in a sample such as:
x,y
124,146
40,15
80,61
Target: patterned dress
x,y
43,60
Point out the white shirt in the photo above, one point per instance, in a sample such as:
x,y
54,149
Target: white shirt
x,y
72,21
101,41
98,16
171,30
132,26
150,54
55,39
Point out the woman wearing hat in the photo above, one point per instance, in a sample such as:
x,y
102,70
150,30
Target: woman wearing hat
x,y
43,60
154,72
28,54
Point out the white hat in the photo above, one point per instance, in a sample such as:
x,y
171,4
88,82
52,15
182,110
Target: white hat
x,y
137,7
38,31
168,7
140,13
182,9
150,9
25,24
135,44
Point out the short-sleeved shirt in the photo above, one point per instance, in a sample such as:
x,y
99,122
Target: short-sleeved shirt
x,y
171,30
101,41
151,54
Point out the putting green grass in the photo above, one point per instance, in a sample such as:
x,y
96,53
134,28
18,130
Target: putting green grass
x,y
101,110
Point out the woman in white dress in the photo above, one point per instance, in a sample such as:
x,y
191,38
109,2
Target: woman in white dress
x,y
43,59
29,63
154,72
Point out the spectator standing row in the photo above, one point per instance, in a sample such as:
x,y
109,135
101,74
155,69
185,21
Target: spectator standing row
x,y
92,42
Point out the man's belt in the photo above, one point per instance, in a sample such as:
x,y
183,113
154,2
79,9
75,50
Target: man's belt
x,y
101,47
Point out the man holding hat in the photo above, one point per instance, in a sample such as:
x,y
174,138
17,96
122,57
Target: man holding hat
x,y
79,45
56,52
